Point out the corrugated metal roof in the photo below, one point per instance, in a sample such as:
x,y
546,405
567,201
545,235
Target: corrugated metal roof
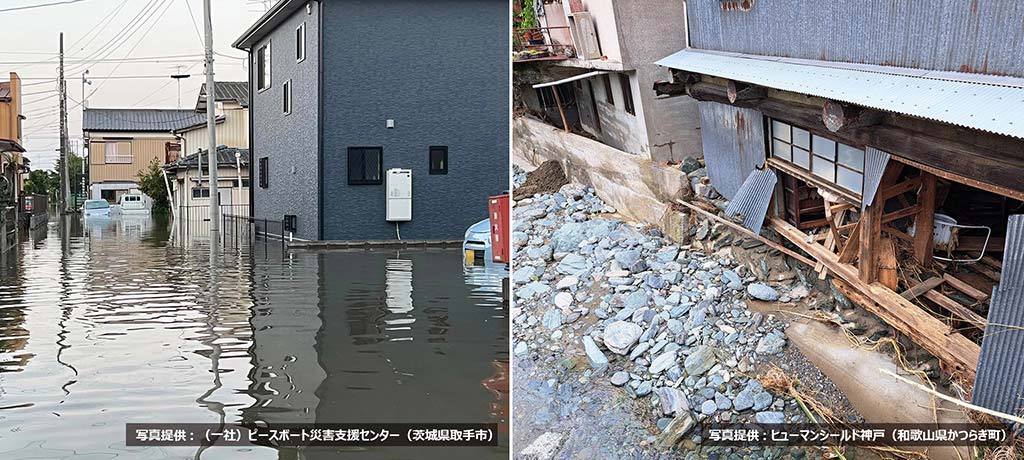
x,y
237,91
225,156
965,102
163,120
875,162
752,199
981,36
733,142
999,384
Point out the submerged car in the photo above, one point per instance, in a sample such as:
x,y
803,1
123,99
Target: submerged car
x,y
476,245
134,203
96,208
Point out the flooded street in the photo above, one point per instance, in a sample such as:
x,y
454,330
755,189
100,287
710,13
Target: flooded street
x,y
126,321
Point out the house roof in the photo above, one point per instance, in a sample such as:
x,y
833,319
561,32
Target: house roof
x,y
236,91
225,156
266,23
160,120
985,102
200,125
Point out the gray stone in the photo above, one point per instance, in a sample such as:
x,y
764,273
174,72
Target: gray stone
x,y
552,319
744,400
762,292
522,275
708,407
700,361
533,289
762,400
572,264
644,388
771,344
673,401
620,378
722,401
770,417
597,359
654,281
636,300
620,336
667,255
568,236
563,299
521,349
567,282
540,252
662,362
543,448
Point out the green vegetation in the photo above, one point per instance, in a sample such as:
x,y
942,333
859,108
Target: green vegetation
x,y
527,17
151,182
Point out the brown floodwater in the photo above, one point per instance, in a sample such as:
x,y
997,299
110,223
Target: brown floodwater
x,y
123,320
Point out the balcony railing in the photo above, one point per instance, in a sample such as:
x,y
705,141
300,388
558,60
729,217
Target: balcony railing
x,y
117,159
535,44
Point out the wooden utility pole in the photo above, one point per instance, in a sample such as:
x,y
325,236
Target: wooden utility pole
x,y
65,177
211,122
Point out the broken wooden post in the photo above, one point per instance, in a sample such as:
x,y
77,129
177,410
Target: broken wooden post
x,y
739,91
870,233
558,101
888,274
925,220
838,116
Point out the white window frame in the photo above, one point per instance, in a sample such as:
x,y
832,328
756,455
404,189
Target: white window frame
x,y
831,157
300,43
117,158
287,97
265,68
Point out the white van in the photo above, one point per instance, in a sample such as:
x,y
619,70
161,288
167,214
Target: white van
x,y
134,203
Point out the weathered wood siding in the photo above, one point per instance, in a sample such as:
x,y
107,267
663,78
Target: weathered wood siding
x,y
144,151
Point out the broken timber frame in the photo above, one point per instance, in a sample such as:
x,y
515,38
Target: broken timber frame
x,y
949,346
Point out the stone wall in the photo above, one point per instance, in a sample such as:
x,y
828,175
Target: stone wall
x,y
638,188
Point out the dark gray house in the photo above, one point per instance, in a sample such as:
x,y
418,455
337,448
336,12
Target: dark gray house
x,y
345,90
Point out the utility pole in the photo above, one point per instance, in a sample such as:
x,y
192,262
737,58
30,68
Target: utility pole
x,y
211,122
65,190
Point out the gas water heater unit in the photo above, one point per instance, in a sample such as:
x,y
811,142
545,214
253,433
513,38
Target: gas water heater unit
x,y
399,185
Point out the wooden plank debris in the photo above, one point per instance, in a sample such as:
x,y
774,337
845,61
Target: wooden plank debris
x,y
922,287
961,312
962,286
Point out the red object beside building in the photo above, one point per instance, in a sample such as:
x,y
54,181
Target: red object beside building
x,y
498,210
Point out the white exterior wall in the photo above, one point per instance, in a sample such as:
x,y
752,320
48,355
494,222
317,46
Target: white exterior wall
x,y
227,182
232,132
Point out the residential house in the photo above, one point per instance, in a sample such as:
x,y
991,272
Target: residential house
x,y
590,68
344,90
13,164
124,142
884,139
189,174
190,190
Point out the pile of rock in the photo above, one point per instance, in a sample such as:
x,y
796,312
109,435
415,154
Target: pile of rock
x,y
662,321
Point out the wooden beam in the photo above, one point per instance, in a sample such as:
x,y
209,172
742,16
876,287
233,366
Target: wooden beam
x,y
870,232
975,165
739,91
898,234
561,112
962,286
837,115
899,189
923,222
922,287
750,234
905,212
852,248
951,347
888,267
961,312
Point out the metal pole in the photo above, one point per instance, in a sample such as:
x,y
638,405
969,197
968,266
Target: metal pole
x,y
211,122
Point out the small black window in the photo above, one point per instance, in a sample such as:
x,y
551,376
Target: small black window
x,y
627,93
438,159
287,108
365,165
245,182
608,97
264,173
200,192
300,43
262,65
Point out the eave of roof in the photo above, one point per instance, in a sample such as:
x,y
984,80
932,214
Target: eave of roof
x,y
985,102
270,20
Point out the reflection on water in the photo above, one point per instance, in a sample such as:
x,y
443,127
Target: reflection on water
x,y
112,324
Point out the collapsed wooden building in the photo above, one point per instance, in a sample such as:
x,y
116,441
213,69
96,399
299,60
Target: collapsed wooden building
x,y
899,170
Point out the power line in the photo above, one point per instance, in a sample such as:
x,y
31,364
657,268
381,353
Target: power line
x,y
123,35
28,7
108,18
195,23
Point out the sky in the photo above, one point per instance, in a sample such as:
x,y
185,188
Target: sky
x,y
126,39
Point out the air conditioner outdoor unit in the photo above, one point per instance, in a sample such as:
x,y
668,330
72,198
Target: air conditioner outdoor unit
x,y
398,183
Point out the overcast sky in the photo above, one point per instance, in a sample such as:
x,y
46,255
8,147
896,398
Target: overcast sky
x,y
158,38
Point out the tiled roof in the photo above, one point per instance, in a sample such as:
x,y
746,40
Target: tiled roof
x,y
237,91
225,156
162,120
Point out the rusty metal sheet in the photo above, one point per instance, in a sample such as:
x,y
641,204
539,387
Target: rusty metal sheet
x,y
963,102
733,142
981,36
753,197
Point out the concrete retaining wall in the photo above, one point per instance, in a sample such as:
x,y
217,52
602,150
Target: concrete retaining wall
x,y
638,188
